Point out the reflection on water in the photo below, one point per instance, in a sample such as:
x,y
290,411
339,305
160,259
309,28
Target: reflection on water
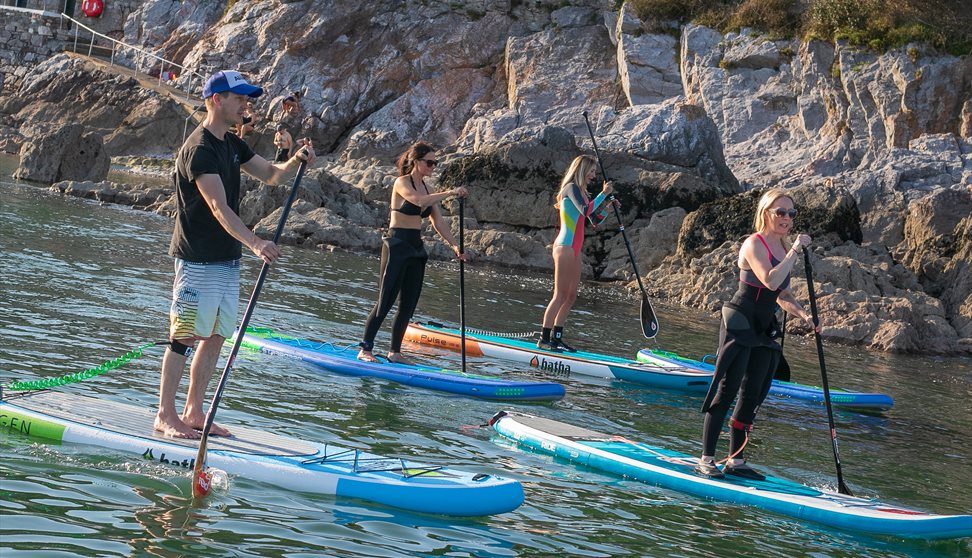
x,y
85,282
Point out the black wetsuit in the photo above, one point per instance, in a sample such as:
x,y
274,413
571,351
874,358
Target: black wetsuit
x,y
748,357
401,272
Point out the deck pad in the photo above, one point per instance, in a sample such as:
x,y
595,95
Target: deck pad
x,y
135,421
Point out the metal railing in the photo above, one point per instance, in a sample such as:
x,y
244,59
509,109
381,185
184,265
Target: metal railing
x,y
186,76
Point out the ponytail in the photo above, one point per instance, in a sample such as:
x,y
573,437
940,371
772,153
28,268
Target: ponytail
x,y
406,161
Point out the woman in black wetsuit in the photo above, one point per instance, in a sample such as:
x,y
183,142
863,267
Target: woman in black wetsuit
x,y
403,255
748,353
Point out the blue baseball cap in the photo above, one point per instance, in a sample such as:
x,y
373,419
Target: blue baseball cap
x,y
228,80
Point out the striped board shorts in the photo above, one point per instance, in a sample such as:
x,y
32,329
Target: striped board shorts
x,y
205,299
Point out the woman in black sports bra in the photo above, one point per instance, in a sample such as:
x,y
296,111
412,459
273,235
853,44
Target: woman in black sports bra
x,y
749,354
403,255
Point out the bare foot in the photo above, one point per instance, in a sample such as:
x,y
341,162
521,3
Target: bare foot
x,y
366,356
199,422
399,358
175,429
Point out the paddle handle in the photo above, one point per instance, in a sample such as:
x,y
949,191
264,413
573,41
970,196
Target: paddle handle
x,y
825,384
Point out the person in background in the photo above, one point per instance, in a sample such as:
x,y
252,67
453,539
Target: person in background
x,y
749,354
403,255
292,104
207,247
250,120
575,207
284,143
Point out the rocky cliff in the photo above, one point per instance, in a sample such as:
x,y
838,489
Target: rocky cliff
x,y
877,147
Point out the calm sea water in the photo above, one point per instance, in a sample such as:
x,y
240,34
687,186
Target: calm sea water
x,y
83,282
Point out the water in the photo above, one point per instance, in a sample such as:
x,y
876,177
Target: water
x,y
84,282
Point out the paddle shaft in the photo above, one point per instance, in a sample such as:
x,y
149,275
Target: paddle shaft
x,y
247,314
624,234
841,487
462,284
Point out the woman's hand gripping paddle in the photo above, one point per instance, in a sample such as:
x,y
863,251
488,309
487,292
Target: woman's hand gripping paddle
x,y
649,322
201,479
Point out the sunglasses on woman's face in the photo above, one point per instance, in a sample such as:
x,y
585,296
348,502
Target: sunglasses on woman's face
x,y
781,212
430,162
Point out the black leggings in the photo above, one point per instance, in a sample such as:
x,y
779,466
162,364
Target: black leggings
x,y
402,271
748,373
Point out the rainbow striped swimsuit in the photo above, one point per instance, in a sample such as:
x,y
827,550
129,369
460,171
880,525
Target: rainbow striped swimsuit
x,y
572,220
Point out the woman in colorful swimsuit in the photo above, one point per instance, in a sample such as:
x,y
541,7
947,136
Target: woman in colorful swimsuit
x,y
403,256
575,207
748,353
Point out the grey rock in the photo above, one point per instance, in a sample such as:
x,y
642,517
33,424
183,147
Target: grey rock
x,y
651,243
69,153
573,16
542,71
648,68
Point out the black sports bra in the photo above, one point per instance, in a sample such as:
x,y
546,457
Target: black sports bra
x,y
409,208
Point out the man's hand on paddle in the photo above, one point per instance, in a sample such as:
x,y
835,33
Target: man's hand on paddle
x,y
306,151
265,250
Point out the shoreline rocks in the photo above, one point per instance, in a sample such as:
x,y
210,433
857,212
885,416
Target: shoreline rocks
x,y
876,148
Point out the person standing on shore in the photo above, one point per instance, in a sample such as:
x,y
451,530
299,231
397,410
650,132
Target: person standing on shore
x,y
207,247
403,255
575,207
749,354
284,142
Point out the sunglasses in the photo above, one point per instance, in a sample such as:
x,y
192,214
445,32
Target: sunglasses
x,y
780,212
430,162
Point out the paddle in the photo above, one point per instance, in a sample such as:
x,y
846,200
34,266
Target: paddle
x,y
649,323
200,478
462,284
783,372
841,487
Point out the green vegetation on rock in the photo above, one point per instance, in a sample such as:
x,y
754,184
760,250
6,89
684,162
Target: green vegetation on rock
x,y
878,24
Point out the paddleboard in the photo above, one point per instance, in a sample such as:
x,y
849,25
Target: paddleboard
x,y
838,397
673,470
261,456
658,373
557,364
345,361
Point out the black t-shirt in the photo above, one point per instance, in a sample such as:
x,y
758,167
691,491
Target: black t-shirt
x,y
198,236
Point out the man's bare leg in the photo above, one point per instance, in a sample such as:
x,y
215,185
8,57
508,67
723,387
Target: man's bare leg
x,y
200,373
167,420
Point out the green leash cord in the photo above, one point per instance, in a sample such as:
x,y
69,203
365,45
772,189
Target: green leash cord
x,y
112,364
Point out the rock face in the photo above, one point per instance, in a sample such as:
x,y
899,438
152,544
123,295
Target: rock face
x,y
876,149
150,198
69,153
647,62
132,120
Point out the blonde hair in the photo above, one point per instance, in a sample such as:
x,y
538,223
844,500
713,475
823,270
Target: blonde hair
x,y
576,174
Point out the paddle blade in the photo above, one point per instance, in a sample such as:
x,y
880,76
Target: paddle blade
x,y
649,323
201,482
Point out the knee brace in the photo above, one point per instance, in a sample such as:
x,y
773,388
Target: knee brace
x,y
739,425
180,349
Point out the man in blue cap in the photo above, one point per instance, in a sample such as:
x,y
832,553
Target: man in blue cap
x,y
207,246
